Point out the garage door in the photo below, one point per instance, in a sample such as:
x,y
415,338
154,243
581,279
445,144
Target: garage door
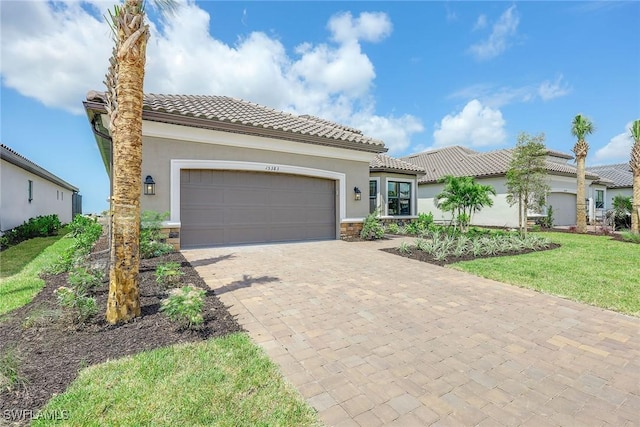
x,y
234,207
564,208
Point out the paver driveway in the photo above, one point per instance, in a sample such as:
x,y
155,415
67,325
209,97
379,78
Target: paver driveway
x,y
370,338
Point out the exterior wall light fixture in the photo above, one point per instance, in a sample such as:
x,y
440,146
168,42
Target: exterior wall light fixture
x,y
357,193
149,186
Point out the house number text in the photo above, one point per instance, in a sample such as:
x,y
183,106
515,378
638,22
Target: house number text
x,y
272,168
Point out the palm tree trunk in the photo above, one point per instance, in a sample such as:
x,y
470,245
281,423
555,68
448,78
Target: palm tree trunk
x,y
581,220
124,298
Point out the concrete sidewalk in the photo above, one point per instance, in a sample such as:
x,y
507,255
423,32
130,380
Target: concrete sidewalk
x,y
370,338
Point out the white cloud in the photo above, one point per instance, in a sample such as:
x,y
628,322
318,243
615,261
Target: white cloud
x,y
371,27
500,38
617,150
550,90
475,126
481,22
56,52
53,53
499,96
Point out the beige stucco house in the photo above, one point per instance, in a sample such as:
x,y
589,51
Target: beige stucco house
x,y
28,190
490,168
230,171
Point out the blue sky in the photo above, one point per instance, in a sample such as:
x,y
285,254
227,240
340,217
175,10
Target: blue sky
x,y
418,75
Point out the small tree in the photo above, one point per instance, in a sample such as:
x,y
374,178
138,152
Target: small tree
x,y
462,196
527,176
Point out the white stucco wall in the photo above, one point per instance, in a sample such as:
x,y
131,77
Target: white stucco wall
x,y
15,208
613,192
499,215
503,215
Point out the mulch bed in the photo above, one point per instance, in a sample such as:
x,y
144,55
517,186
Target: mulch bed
x,y
423,256
51,352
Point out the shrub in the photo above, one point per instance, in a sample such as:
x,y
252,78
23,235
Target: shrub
x,y
184,305
152,241
10,376
393,228
40,226
83,279
372,228
77,306
85,231
405,248
547,221
168,274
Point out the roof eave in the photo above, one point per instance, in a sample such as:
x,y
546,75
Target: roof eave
x,y
224,126
29,166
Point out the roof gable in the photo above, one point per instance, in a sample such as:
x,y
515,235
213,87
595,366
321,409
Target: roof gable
x,y
385,163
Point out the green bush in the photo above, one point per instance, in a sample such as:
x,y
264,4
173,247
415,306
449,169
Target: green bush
x,y
168,274
372,228
40,226
393,228
184,306
77,306
83,279
84,232
152,241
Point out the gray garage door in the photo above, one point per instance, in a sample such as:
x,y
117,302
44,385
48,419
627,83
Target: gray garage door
x,y
564,208
234,207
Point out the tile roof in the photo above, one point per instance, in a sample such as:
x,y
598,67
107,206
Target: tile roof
x,y
619,174
22,162
461,161
248,117
383,162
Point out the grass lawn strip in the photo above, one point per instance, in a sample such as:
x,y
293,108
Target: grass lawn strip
x,y
592,269
24,282
225,381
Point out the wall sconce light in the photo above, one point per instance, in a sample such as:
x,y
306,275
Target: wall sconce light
x,y
149,186
357,193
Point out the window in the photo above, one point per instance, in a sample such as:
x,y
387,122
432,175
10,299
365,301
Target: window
x,y
373,196
599,199
399,198
30,191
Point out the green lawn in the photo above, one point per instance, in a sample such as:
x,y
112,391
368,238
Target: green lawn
x,y
224,382
15,258
591,269
21,266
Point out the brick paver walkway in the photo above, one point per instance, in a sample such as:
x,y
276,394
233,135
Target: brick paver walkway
x,y
370,338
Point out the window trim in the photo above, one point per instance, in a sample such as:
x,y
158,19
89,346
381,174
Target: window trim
x,y
376,196
412,196
596,201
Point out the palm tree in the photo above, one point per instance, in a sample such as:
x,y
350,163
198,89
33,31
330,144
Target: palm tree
x,y
580,128
124,83
462,196
635,167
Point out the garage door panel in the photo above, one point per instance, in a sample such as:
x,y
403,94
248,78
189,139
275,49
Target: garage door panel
x,y
564,208
233,207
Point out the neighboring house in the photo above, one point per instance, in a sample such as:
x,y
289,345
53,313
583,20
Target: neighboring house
x,y
490,168
231,172
28,191
620,182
